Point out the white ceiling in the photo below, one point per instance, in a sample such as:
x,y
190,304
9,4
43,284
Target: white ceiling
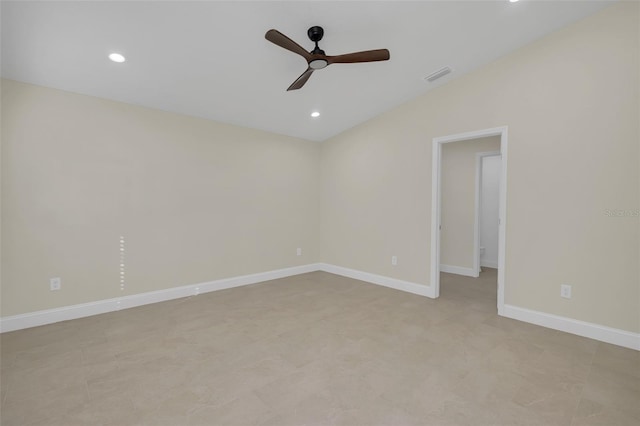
x,y
210,59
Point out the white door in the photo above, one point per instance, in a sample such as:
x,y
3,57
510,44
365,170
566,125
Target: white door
x,y
489,211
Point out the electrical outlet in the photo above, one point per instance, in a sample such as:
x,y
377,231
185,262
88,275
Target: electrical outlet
x,y
565,291
299,251
55,284
394,260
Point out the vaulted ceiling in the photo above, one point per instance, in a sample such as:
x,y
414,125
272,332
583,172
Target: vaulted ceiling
x,y
210,59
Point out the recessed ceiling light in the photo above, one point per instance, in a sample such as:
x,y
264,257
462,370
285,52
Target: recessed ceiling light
x,y
116,57
512,1
315,114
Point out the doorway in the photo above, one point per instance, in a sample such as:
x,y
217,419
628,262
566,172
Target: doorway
x,y
436,211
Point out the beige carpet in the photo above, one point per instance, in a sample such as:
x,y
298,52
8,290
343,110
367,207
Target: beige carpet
x,y
316,349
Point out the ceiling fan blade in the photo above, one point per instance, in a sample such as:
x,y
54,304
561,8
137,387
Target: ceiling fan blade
x,y
300,81
366,56
276,37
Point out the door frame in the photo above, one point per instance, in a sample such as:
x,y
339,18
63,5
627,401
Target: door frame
x,y
436,196
478,206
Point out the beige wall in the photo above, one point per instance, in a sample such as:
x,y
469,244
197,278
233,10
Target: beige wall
x,y
458,199
571,103
195,200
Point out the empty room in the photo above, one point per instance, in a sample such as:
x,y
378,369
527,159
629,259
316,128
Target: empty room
x,y
320,213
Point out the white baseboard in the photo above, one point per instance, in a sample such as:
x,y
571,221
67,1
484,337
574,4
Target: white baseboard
x,y
50,316
599,332
489,264
459,270
581,328
397,284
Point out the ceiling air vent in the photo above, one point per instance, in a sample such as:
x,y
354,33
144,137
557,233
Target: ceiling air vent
x,y
436,75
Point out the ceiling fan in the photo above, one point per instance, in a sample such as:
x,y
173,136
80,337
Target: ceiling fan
x,y
317,59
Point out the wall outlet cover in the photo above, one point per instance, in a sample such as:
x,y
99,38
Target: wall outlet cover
x,y
55,284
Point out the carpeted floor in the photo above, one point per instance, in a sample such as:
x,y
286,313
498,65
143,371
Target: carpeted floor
x,y
316,349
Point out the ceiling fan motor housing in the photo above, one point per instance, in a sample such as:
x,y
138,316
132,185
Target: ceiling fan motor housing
x,y
315,34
